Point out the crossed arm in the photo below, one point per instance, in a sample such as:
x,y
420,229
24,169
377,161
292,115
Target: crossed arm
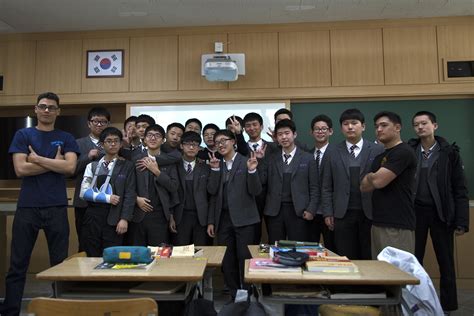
x,y
377,180
32,164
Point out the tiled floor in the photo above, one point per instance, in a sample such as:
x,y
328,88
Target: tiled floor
x,y
36,288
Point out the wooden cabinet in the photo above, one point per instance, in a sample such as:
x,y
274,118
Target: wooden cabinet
x,y
58,66
304,59
19,75
410,55
356,57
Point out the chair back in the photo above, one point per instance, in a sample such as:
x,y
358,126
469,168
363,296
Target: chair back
x,y
42,306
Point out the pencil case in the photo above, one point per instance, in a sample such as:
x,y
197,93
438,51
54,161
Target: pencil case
x,y
127,254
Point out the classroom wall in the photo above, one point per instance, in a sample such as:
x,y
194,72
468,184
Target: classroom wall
x,y
354,59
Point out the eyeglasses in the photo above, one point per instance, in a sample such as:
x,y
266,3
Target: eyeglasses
x,y
191,145
322,129
222,142
50,108
152,135
98,122
112,141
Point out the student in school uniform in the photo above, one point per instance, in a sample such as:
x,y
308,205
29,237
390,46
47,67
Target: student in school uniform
x,y
208,133
234,181
130,136
110,207
188,220
285,114
141,124
321,130
98,119
157,187
174,131
441,201
235,125
291,177
346,209
194,125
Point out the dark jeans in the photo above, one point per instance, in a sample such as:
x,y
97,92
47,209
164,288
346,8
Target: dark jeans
x,y
26,225
236,239
352,235
190,231
442,236
151,231
287,225
97,234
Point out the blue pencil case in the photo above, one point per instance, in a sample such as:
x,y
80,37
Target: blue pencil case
x,y
127,254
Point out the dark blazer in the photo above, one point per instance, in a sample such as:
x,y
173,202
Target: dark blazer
x,y
124,185
324,164
200,177
85,145
166,185
336,179
304,184
242,189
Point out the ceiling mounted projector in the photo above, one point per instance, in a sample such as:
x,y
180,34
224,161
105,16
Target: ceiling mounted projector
x,y
222,67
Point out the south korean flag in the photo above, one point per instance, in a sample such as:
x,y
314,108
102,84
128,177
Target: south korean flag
x,y
105,63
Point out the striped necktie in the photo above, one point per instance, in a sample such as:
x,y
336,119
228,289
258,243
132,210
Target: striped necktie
x,y
287,157
426,154
352,153
255,146
189,169
318,158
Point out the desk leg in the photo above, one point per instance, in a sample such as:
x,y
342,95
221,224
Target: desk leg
x,y
207,287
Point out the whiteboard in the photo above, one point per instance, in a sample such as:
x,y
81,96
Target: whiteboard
x,y
217,113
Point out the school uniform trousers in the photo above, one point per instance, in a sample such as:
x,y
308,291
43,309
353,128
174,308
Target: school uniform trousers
x,y
100,219
234,216
341,198
191,213
286,200
151,228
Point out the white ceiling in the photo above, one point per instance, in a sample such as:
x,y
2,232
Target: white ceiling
x,y
19,16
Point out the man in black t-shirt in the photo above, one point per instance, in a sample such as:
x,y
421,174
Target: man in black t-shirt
x,y
392,181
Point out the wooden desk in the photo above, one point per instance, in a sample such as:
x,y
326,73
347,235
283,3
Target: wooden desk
x,y
76,278
371,273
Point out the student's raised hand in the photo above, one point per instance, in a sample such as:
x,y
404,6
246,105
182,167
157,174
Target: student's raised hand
x,y
144,204
213,161
329,221
114,199
122,227
235,127
271,134
172,224
210,230
252,162
260,152
308,216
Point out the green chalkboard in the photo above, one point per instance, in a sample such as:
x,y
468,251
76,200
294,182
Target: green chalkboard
x,y
455,119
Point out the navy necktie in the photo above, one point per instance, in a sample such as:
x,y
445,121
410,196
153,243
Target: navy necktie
x,y
287,157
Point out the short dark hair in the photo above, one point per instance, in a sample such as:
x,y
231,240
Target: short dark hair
x,y
194,120
175,124
98,111
352,114
283,111
321,118
108,131
210,126
49,96
145,118
252,116
191,136
129,119
156,128
392,117
238,118
224,132
285,123
430,115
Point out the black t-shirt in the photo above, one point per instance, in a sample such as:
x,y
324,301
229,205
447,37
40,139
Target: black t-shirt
x,y
393,204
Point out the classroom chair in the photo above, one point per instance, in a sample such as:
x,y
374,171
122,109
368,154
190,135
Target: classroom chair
x,y
42,306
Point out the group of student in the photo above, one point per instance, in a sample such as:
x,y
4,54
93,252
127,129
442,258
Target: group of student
x,y
147,186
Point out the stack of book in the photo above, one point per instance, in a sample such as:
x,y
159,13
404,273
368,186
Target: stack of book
x,y
266,265
187,251
330,264
312,251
